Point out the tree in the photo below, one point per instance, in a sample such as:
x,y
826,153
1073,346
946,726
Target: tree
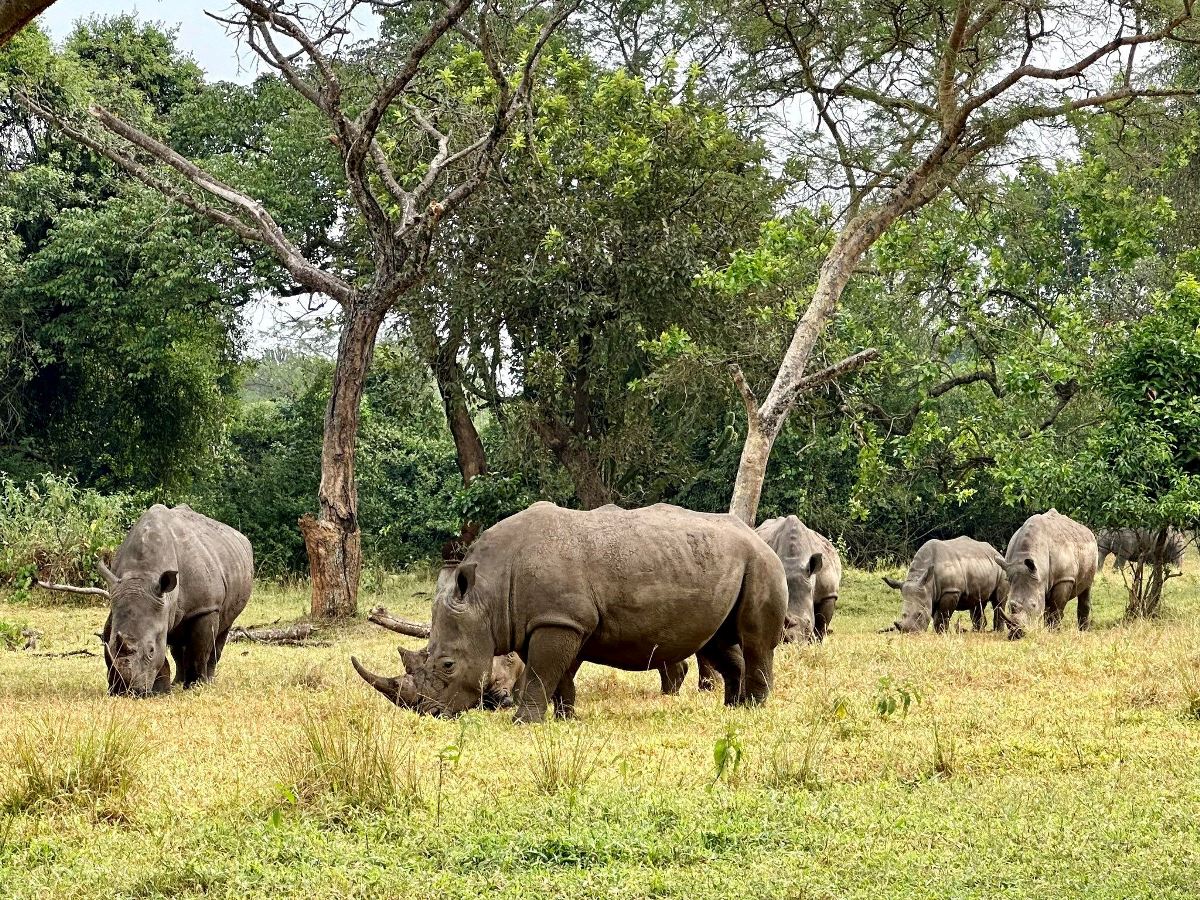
x,y
1141,465
415,132
567,272
912,99
138,406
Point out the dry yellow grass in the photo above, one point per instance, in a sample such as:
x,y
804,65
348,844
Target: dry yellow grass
x,y
1064,765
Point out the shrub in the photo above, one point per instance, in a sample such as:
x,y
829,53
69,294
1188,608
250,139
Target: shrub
x,y
54,529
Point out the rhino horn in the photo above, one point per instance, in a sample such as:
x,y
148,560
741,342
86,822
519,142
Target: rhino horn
x,y
892,583
108,574
399,690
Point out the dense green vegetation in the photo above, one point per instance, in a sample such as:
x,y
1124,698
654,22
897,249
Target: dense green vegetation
x,y
639,234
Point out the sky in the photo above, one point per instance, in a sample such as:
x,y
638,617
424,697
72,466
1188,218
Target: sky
x,y
199,36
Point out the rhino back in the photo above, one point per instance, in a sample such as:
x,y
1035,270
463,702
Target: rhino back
x,y
656,581
964,564
215,562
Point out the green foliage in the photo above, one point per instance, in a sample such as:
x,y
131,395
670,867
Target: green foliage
x,y
54,529
12,634
728,753
890,696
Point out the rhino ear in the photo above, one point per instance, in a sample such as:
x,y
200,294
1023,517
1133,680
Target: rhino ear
x,y
1031,565
412,659
815,562
167,582
892,583
464,578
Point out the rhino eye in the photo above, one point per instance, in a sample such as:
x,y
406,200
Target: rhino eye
x,y
447,665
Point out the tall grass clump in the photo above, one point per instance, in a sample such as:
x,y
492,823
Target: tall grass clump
x,y
55,529
50,765
565,758
349,762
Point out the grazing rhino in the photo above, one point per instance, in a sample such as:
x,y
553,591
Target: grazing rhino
x,y
1128,545
950,576
178,581
814,576
631,589
1050,561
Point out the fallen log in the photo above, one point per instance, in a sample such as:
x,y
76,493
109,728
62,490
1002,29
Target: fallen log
x,y
380,616
293,635
70,588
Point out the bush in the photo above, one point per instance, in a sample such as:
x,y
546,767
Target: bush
x,y
54,529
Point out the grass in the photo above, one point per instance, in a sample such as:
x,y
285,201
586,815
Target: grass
x,y
1064,765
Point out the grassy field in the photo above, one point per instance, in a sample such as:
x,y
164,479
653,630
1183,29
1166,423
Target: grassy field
x,y
1066,765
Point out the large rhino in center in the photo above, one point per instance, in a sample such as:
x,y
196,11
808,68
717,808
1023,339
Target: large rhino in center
x,y
632,589
1050,561
178,581
949,576
814,576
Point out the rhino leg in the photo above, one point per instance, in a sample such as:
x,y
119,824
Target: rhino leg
x,y
977,616
708,674
822,616
1056,605
941,621
672,675
552,652
727,660
199,644
564,695
1083,611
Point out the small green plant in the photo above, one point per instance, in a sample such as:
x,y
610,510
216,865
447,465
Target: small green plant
x,y
449,756
12,635
348,762
728,754
51,765
890,696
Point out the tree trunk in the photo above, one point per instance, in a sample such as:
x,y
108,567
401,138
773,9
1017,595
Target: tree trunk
x,y
16,14
468,448
333,539
1145,595
577,460
766,421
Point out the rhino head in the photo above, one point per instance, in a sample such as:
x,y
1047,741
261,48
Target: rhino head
x,y
135,639
1026,596
916,602
449,675
799,622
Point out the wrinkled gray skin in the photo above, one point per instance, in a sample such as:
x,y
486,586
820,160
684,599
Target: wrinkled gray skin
x,y
630,589
1128,545
1050,561
178,582
814,576
947,577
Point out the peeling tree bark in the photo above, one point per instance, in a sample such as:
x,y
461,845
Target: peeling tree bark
x,y
16,14
333,540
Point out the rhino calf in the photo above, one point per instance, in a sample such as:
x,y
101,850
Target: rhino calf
x,y
1050,561
178,582
950,576
814,576
632,589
